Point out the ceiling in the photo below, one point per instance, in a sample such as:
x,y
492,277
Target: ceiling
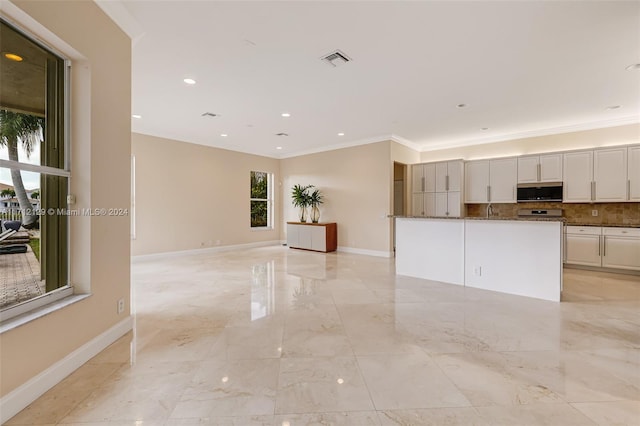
x,y
520,68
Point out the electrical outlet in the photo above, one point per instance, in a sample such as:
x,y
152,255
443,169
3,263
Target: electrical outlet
x,y
120,306
594,212
478,271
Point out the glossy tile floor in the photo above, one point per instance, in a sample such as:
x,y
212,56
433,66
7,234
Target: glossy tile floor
x,y
272,336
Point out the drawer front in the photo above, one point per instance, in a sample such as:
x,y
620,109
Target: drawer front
x,y
622,232
583,230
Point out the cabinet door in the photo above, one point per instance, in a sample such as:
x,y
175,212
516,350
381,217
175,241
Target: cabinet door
x,y
610,174
621,252
318,238
476,181
430,204
454,171
430,177
304,236
551,168
441,204
441,177
528,169
417,181
503,178
577,176
633,178
583,250
417,204
453,203
292,235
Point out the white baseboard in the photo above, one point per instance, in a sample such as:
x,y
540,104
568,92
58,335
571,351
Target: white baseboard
x,y
377,253
205,250
19,398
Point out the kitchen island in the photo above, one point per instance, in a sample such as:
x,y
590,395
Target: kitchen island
x,y
515,256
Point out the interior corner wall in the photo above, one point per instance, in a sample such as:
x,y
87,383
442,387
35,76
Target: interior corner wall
x,y
357,185
101,140
192,196
586,139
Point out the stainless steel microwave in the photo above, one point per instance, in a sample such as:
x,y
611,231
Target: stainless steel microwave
x,y
548,191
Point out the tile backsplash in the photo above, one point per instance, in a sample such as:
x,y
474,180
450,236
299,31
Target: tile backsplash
x,y
578,213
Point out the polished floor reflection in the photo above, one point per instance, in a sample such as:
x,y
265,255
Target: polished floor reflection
x,y
272,336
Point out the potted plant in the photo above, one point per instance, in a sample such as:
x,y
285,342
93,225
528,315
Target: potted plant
x,y
301,199
315,199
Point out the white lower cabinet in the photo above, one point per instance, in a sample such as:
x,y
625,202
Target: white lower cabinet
x,y
583,245
621,248
312,236
608,247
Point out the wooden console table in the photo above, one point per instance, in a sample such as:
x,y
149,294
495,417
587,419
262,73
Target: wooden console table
x,y
312,236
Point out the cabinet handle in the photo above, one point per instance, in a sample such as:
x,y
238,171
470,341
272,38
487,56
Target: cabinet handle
x,y
539,173
599,244
446,183
423,185
489,193
604,245
593,186
629,190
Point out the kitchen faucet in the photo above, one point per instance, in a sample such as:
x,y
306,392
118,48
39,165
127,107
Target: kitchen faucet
x,y
489,210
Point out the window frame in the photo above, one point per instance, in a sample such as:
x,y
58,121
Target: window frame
x,y
269,201
63,106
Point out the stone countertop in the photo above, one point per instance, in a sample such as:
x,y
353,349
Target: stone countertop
x,y
604,225
517,219
525,219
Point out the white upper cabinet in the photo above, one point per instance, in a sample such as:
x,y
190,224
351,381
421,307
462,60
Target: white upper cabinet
x,y
423,178
578,177
528,169
540,168
633,179
503,178
476,182
610,174
551,168
436,188
455,172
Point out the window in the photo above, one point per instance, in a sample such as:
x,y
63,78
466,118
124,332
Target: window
x,y
34,172
261,200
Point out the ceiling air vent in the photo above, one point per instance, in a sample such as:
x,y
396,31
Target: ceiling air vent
x,y
210,114
336,58
282,134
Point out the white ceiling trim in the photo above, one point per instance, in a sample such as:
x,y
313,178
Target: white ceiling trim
x,y
123,19
632,119
406,142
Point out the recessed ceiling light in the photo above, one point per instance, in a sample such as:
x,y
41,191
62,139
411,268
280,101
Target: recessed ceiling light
x,y
484,128
136,116
13,57
613,107
286,114
340,134
633,67
224,135
461,105
189,81
278,147
282,134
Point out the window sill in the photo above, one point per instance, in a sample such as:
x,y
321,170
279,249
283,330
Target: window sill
x,y
15,322
262,229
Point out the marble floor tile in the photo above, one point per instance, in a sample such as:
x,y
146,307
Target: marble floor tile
x,y
464,416
352,418
408,381
315,385
611,413
241,387
534,415
273,336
